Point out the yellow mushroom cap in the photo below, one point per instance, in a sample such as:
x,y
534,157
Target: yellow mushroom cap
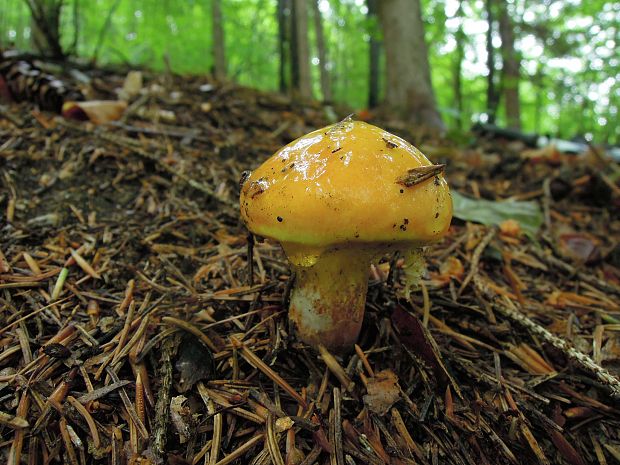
x,y
344,184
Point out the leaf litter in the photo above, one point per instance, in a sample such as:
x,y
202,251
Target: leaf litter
x,y
131,329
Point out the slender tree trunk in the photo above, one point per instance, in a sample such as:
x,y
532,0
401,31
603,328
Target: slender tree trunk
x,y
75,17
326,88
459,36
374,51
300,51
510,69
284,47
345,77
584,116
538,83
560,90
104,30
45,21
219,54
294,48
612,134
409,91
492,94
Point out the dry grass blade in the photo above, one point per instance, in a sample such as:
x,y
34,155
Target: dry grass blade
x,y
466,341
272,441
336,369
531,440
88,418
117,446
129,407
241,450
134,339
531,361
598,450
34,451
336,429
32,263
256,362
218,425
201,453
29,315
86,267
221,401
66,439
190,328
124,332
102,392
24,284
614,451
13,421
475,259
5,266
360,353
312,456
120,310
24,344
399,424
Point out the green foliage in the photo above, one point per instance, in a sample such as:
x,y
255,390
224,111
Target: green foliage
x,y
570,65
489,212
14,24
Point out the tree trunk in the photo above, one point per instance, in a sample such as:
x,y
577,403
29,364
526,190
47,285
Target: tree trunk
x,y
104,30
459,36
374,50
510,69
300,52
612,135
560,90
326,88
45,22
539,88
75,17
408,88
283,14
492,94
219,54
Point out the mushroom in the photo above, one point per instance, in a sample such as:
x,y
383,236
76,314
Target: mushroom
x,y
337,199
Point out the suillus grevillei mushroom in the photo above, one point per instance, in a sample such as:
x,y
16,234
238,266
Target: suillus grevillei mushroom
x,y
336,199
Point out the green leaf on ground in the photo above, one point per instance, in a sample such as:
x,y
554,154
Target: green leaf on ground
x,y
491,212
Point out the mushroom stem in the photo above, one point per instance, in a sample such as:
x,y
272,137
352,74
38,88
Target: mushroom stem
x,y
328,298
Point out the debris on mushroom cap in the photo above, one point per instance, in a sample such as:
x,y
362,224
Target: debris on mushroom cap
x,y
347,183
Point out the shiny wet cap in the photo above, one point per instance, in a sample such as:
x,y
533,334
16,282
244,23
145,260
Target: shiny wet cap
x,y
344,184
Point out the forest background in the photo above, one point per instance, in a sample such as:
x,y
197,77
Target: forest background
x,y
550,67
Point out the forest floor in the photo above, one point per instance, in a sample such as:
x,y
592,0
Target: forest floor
x,y
159,347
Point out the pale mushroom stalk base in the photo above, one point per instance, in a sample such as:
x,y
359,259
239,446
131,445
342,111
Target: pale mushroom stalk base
x,y
328,299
